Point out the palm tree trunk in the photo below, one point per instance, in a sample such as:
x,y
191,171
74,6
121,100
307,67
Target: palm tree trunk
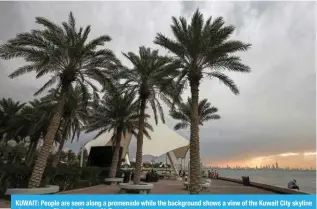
x,y
194,187
139,145
120,158
45,151
32,150
58,154
116,154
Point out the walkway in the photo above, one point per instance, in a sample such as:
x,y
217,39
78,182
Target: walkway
x,y
169,187
176,187
4,204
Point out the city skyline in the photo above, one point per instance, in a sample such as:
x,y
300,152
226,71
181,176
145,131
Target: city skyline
x,y
305,160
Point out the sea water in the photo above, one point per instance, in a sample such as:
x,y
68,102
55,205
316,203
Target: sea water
x,y
305,179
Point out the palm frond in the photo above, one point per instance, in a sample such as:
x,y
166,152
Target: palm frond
x,y
115,110
63,52
203,48
182,113
179,126
225,80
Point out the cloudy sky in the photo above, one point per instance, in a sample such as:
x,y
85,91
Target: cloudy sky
x,y
276,110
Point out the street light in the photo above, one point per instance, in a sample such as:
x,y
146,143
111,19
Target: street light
x,y
82,154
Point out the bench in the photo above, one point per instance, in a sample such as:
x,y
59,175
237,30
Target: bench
x,y
204,186
142,188
113,181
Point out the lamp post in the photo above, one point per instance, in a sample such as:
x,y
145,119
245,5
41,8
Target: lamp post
x,y
82,154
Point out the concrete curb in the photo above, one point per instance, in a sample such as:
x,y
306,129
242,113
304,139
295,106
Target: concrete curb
x,y
50,189
276,189
129,186
143,188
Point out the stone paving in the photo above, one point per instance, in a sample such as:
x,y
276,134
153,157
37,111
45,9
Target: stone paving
x,y
169,187
176,187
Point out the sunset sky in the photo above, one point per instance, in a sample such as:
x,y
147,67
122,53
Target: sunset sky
x,y
292,160
275,114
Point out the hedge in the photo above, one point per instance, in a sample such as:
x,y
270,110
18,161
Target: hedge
x,y
67,178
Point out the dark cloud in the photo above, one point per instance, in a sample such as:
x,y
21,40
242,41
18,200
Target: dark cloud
x,y
276,109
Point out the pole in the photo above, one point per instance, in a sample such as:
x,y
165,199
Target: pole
x,y
82,154
166,163
172,163
181,163
82,157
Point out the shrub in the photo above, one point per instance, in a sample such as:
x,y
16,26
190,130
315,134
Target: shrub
x,y
152,176
66,177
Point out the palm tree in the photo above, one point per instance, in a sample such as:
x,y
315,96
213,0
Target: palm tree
x,y
152,77
64,52
183,113
71,158
117,112
9,110
22,124
73,119
40,120
31,121
204,50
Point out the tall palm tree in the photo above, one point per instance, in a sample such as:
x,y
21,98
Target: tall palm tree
x,y
119,113
183,113
152,77
204,50
64,52
73,119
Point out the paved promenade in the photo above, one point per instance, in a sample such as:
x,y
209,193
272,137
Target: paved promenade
x,y
169,187
176,187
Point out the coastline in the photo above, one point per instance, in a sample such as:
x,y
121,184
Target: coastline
x,y
275,189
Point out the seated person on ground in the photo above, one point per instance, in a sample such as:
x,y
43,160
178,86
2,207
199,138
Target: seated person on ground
x,y
209,174
293,185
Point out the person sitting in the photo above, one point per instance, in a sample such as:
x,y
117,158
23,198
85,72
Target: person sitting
x,y
293,185
216,174
212,173
209,174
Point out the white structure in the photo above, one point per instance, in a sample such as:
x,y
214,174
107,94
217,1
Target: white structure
x,y
163,141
